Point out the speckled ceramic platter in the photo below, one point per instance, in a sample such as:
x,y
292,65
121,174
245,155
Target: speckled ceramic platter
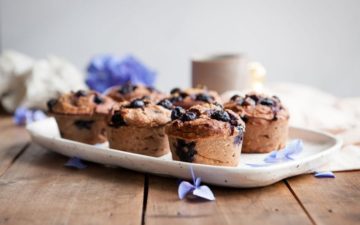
x,y
318,148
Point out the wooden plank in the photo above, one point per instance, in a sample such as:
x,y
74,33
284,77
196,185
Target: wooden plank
x,y
13,139
330,201
269,205
38,189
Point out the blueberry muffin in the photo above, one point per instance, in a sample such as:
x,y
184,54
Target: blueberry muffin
x,y
205,134
138,127
129,92
193,96
81,116
266,121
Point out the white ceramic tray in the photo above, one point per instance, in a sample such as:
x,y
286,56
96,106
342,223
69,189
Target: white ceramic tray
x,y
318,148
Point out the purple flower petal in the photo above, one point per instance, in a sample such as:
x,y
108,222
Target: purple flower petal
x,y
38,115
76,163
292,149
204,192
327,174
197,182
192,174
184,189
23,115
20,116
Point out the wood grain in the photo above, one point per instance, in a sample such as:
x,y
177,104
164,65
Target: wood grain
x,y
270,205
330,201
38,189
13,139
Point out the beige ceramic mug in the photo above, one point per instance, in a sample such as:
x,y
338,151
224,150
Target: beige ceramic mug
x,y
222,72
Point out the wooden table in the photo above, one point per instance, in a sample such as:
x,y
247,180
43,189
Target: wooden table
x,y
36,188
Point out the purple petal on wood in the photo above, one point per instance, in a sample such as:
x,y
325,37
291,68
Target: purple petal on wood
x,y
204,192
327,174
184,189
76,163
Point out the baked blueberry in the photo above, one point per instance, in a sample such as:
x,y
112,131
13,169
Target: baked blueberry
x,y
51,103
84,124
267,102
127,88
175,90
117,120
177,112
175,99
137,103
248,101
203,97
166,104
80,93
253,97
98,99
185,151
151,89
238,99
188,116
245,118
220,115
235,97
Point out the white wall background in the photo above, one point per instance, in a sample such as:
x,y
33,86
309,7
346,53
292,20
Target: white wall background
x,y
314,42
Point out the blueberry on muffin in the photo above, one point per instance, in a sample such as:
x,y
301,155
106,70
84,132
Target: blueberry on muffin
x,y
193,96
266,121
81,115
138,127
129,92
205,134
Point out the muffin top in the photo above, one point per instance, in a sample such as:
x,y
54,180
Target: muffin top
x,y
140,112
80,103
256,105
202,121
129,92
193,96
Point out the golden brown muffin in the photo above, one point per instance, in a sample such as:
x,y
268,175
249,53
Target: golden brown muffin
x,y
193,96
129,92
81,116
138,127
266,121
206,134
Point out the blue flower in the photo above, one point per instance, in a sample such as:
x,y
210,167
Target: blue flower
x,y
195,189
23,115
105,71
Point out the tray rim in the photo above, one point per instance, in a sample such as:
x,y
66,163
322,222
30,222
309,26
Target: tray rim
x,y
336,145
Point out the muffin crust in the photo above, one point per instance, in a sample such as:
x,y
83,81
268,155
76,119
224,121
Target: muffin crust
x,y
129,92
193,96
